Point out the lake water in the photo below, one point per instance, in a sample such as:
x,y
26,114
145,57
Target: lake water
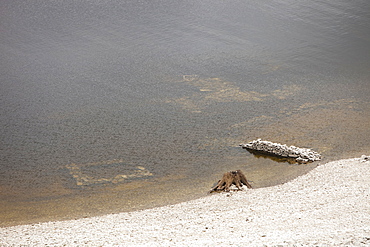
x,y
110,106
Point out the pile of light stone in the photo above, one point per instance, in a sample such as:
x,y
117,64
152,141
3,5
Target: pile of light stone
x,y
301,155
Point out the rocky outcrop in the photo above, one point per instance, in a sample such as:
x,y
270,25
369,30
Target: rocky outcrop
x,y
301,155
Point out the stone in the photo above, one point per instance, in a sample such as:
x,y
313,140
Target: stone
x,y
365,158
301,155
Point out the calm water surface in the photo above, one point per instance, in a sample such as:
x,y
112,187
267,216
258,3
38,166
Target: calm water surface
x,y
110,106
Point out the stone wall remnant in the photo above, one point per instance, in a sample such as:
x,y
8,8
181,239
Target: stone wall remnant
x,y
301,155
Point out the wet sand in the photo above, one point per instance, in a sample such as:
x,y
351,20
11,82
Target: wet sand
x,y
326,207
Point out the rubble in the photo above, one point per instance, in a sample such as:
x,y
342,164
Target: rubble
x,y
301,155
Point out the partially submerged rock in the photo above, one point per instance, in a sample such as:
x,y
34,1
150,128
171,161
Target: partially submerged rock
x,y
301,155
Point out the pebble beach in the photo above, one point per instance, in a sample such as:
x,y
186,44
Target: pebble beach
x,y
329,206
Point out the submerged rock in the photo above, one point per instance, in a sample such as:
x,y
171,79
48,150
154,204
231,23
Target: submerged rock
x,y
301,155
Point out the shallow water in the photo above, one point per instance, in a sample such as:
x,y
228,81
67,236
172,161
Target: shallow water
x,y
112,106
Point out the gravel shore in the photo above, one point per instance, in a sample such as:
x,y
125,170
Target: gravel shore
x,y
329,206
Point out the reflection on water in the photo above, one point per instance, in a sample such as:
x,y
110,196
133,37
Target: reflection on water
x,y
276,158
115,106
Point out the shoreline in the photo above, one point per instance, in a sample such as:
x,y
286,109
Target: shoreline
x,y
327,206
